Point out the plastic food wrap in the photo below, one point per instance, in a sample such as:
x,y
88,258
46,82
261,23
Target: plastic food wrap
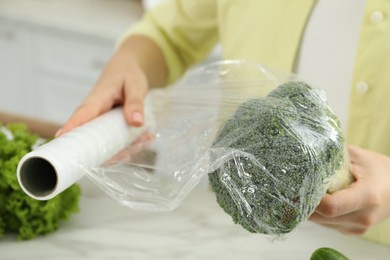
x,y
270,151
279,156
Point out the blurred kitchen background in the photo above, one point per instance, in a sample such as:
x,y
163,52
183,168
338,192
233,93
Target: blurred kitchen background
x,y
52,51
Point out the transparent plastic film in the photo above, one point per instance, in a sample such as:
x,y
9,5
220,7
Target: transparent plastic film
x,y
158,170
268,143
283,152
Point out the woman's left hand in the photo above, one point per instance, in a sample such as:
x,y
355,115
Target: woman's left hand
x,y
366,202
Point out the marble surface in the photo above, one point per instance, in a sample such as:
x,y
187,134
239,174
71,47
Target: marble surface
x,y
198,229
105,18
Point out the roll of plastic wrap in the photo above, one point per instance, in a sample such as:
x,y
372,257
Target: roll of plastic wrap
x,y
56,165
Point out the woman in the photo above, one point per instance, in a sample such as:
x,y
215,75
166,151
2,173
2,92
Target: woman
x,y
341,47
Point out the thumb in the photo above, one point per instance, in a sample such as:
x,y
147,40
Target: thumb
x,y
135,92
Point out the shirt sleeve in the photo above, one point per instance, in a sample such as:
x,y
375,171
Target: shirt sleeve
x,y
184,30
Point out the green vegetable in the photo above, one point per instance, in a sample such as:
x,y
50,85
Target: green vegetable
x,y
282,151
18,212
326,253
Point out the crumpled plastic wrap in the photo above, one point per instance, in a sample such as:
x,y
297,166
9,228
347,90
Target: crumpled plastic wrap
x,y
159,169
268,142
279,156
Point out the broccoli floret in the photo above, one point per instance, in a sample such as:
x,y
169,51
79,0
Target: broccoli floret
x,y
18,212
282,150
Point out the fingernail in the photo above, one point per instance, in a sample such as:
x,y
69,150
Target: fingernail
x,y
137,118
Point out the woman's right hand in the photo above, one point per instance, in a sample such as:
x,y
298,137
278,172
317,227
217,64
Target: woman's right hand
x,y
122,82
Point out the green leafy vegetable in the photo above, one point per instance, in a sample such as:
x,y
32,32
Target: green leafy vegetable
x,y
281,152
18,212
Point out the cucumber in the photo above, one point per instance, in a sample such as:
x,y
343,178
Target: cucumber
x,y
327,253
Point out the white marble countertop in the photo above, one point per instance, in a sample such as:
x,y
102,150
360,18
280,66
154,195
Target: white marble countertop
x,y
198,229
106,18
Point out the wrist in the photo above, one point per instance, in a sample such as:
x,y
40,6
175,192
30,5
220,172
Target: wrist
x,y
142,52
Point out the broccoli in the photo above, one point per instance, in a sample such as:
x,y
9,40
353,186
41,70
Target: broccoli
x,y
282,151
18,212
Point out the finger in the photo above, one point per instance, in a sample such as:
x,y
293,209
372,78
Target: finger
x,y
354,153
358,159
343,202
349,219
348,230
82,115
347,200
135,91
355,223
93,106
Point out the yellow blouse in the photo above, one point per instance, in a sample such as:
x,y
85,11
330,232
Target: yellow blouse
x,y
269,32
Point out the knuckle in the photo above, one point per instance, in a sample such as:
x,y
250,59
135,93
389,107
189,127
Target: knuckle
x,y
373,200
132,80
137,81
330,210
367,221
357,231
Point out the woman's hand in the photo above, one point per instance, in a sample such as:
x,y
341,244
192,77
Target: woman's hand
x,y
124,81
366,202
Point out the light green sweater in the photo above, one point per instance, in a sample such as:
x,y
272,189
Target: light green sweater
x,y
269,32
